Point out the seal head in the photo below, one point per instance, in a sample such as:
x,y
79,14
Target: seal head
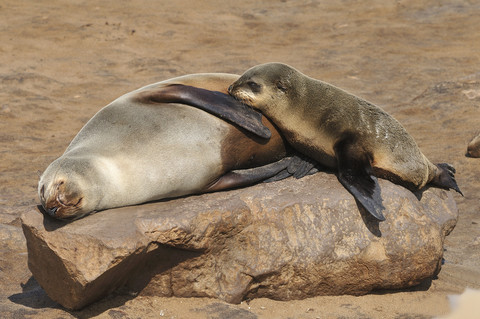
x,y
67,188
266,87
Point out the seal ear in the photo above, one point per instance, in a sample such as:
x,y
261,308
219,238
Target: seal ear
x,y
355,173
281,85
217,103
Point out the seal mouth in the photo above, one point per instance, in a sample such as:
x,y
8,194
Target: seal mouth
x,y
51,211
61,205
59,200
62,209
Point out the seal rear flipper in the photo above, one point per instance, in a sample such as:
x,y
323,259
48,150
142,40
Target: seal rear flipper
x,y
289,166
298,166
355,174
446,177
217,103
301,166
246,177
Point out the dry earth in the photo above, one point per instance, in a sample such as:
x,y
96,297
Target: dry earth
x,y
60,61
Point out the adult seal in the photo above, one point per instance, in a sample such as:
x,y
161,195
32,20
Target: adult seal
x,y
341,131
151,144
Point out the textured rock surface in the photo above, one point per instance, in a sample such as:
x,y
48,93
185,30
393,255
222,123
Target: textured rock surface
x,y
286,240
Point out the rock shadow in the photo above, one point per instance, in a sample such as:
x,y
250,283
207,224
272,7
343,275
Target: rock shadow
x,y
33,296
373,224
424,285
51,223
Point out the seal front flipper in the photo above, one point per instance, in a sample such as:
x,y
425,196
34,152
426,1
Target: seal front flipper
x,y
214,102
355,174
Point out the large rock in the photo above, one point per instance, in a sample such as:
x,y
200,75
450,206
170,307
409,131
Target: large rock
x,y
285,240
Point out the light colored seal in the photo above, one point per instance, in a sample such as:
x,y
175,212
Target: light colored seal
x,y
473,148
342,131
140,148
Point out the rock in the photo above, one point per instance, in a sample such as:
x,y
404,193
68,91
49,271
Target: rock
x,y
473,148
285,240
11,238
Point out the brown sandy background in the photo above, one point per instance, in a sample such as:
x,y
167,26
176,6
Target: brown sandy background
x,y
61,61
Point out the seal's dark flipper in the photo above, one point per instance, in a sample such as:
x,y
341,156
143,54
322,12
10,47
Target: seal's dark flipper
x,y
246,177
355,174
366,190
216,103
446,177
268,173
301,166
298,166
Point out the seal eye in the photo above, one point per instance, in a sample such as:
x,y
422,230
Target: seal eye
x,y
255,87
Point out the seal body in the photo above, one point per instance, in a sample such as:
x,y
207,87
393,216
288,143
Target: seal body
x,y
473,148
340,131
137,149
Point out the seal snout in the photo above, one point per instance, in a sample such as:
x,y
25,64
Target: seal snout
x,y
60,200
52,211
238,93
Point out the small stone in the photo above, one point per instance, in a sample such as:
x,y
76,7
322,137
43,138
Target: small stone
x,y
6,109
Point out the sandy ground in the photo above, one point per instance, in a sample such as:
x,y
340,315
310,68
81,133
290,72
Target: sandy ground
x,y
61,61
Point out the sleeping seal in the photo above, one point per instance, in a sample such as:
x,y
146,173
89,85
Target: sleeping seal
x,y
342,131
141,148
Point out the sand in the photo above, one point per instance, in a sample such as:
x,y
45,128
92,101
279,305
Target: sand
x,y
61,61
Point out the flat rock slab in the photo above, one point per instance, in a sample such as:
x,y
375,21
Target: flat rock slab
x,y
285,240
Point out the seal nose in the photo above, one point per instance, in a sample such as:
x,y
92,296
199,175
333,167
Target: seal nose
x,y
52,211
230,88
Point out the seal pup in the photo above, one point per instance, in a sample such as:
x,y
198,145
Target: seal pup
x,y
473,148
342,131
140,148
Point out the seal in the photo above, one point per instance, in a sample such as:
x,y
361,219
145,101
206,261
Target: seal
x,y
473,148
151,144
341,131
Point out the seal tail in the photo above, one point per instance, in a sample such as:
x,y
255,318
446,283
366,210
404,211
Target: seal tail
x,y
445,177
